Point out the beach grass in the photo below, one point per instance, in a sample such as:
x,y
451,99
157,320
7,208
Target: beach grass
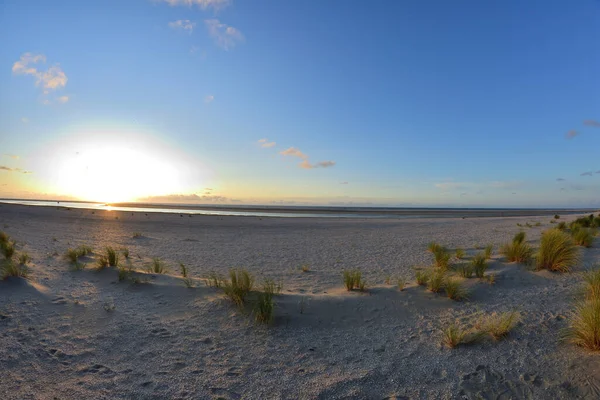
x,y
265,307
455,290
518,250
401,284
583,236
8,249
442,257
123,273
557,252
353,280
488,251
591,281
214,280
459,253
187,281
422,277
519,237
479,265
101,262
455,334
11,269
465,270
238,285
584,325
436,280
157,266
24,259
112,256
499,325
432,247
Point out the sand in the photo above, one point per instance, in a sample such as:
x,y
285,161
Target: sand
x,y
69,334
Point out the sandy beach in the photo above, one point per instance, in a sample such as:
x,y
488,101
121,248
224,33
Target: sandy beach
x,y
68,334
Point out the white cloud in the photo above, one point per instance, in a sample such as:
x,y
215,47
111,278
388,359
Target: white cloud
x,y
51,79
266,143
13,156
209,98
293,152
203,4
223,35
62,99
183,24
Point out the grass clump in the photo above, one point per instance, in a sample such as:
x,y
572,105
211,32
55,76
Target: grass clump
x,y
157,266
187,281
583,236
112,256
101,262
488,251
455,334
12,269
305,268
8,249
562,225
401,283
558,251
518,250
137,235
499,325
238,286
353,280
432,247
436,281
214,280
442,257
123,273
459,253
584,325
125,252
455,290
4,237
465,270
24,259
270,286
479,265
422,277
592,284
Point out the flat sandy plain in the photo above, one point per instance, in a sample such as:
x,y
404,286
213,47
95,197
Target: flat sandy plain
x,y
68,334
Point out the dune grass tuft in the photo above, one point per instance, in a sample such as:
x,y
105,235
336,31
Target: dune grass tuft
x,y
24,259
157,266
187,281
123,273
353,280
112,256
584,325
583,236
101,262
562,225
401,283
592,284
455,290
4,237
557,252
442,257
518,250
125,252
214,280
238,286
264,307
436,280
499,325
455,334
488,251
422,277
465,270
432,247
459,253
71,255
519,237
305,268
479,265
12,269
8,249
137,235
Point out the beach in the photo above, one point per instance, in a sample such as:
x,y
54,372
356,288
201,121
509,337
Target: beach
x,y
72,334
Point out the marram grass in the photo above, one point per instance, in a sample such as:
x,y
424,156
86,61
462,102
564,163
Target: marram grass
x,y
583,236
353,280
557,252
455,290
584,325
238,286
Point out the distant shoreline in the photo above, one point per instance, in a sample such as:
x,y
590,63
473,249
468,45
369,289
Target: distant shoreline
x,y
305,211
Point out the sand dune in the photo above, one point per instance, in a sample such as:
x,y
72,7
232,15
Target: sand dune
x,y
83,334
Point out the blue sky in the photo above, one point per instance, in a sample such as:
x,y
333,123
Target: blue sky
x,y
462,103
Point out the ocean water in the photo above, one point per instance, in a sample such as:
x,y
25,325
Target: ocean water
x,y
303,211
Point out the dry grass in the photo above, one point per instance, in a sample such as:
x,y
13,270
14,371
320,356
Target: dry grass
x,y
455,290
432,247
583,236
8,249
442,257
24,259
187,281
499,325
238,286
465,270
455,334
305,268
519,238
592,284
558,252
459,253
401,283
479,265
488,251
214,280
436,280
157,266
353,280
517,251
422,277
584,325
11,269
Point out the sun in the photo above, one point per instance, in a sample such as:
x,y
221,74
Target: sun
x,y
116,167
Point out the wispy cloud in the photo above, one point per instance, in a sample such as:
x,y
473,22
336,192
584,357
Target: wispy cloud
x,y
323,164
473,186
209,99
560,179
591,122
450,185
13,156
293,152
62,99
183,24
5,168
343,183
51,79
587,173
24,120
203,4
598,172
224,36
266,143
572,133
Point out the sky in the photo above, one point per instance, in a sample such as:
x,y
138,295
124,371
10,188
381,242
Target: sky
x,y
337,102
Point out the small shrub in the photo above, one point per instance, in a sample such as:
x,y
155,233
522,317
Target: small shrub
x,y
112,256
422,277
401,283
436,281
558,251
157,266
24,259
488,251
584,325
538,224
583,237
517,252
12,269
238,286
479,265
556,216
500,325
455,290
465,270
353,280
460,253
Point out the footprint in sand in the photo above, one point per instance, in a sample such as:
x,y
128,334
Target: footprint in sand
x,y
221,393
59,300
486,383
96,369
